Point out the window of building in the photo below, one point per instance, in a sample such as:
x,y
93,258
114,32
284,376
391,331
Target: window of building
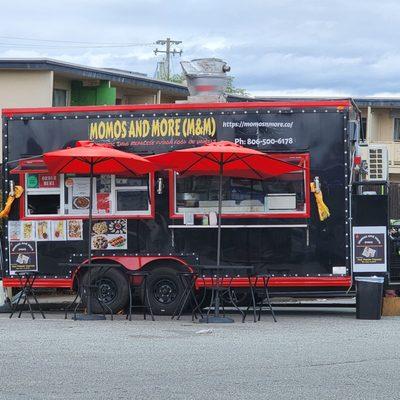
x,y
396,131
363,133
285,194
59,98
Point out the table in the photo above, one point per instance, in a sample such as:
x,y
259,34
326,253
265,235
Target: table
x,y
26,279
217,274
188,280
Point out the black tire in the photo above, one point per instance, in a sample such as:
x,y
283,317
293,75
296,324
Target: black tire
x,y
113,289
165,290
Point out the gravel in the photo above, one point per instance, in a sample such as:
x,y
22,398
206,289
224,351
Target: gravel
x,y
307,354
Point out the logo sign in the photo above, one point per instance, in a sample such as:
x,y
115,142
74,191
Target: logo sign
x,y
49,181
23,256
369,249
32,181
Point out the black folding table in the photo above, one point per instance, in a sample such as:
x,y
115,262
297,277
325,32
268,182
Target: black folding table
x,y
27,280
219,275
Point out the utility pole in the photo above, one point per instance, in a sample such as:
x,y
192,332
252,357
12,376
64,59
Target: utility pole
x,y
167,43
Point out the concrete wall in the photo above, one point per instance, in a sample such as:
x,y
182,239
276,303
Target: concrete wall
x,y
25,89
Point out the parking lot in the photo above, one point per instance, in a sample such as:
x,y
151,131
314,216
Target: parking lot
x,y
324,354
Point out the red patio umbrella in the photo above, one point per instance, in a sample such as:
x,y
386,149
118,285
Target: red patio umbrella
x,y
91,158
223,159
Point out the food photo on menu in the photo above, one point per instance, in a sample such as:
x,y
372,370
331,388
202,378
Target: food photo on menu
x,y
78,193
74,229
43,230
58,230
109,234
28,230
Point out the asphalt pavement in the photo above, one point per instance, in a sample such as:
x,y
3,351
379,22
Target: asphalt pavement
x,y
307,354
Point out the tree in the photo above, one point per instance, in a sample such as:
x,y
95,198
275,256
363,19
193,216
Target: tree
x,y
230,89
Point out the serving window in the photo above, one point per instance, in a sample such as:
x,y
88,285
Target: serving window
x,y
281,196
68,195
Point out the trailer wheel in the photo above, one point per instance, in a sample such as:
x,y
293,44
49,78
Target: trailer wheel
x,y
113,289
165,290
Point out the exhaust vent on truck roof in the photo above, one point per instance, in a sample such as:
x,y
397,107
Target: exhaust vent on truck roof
x,y
206,79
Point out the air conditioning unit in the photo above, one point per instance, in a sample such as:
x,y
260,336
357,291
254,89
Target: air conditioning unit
x,y
377,160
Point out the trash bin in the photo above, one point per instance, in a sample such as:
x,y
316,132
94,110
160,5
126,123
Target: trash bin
x,y
369,297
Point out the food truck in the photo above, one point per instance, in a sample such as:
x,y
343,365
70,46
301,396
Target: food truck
x,y
311,230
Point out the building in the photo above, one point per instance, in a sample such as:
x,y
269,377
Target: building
x,y
46,83
381,125
51,83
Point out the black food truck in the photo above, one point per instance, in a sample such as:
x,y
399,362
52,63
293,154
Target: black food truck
x,y
164,223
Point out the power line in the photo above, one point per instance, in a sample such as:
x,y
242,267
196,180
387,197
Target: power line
x,y
168,52
70,43
30,45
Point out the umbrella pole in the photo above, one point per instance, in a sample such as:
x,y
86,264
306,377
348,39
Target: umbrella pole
x,y
90,316
219,239
89,305
219,215
217,318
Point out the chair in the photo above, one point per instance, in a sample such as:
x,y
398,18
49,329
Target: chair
x,y
95,290
265,300
188,280
136,281
26,279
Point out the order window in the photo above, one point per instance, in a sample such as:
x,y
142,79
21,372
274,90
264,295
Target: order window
x,y
284,194
70,195
42,194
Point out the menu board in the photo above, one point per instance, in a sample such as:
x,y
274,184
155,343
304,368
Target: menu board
x,y
23,256
109,234
45,230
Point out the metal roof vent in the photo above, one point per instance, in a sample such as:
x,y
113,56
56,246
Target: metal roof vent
x,y
206,79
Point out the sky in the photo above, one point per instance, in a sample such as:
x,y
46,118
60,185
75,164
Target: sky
x,y
275,48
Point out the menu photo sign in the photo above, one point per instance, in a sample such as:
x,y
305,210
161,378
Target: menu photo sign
x,y
109,234
369,249
23,256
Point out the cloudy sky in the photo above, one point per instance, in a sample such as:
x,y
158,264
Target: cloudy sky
x,y
286,47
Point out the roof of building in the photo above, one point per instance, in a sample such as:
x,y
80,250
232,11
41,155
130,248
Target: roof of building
x,y
86,72
379,102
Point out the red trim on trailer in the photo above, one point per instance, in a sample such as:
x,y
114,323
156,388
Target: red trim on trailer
x,y
332,281
289,281
137,262
64,283
10,112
